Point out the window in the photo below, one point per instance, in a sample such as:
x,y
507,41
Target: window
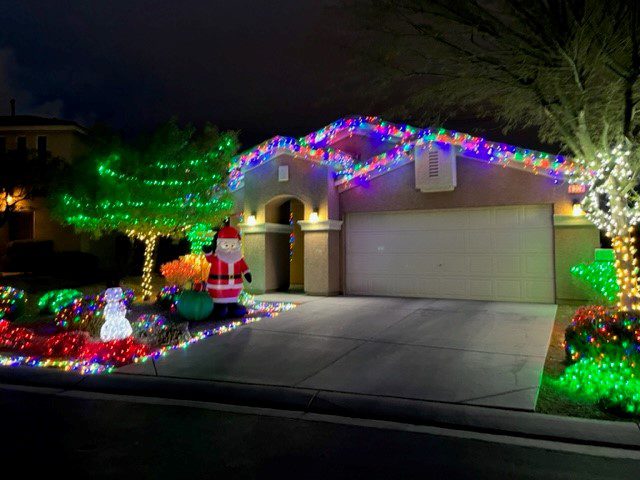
x,y
22,144
21,226
42,146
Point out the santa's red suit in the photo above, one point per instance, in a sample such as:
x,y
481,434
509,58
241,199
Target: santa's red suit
x,y
225,274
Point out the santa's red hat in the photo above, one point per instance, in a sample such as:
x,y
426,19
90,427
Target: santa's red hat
x,y
228,232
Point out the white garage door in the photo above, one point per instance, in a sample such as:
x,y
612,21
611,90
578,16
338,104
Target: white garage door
x,y
496,253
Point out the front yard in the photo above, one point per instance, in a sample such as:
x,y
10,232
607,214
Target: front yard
x,y
70,334
556,401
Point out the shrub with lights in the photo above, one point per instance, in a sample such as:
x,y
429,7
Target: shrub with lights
x,y
603,349
599,276
166,297
175,183
12,303
55,300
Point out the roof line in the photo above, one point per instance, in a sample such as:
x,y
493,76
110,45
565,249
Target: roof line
x,y
317,147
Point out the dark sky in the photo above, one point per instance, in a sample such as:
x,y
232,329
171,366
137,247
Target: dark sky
x,y
264,67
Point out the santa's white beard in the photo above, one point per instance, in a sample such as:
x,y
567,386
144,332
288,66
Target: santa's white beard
x,y
229,257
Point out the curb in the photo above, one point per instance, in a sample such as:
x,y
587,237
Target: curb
x,y
624,435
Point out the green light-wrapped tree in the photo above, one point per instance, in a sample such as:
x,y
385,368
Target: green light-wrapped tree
x,y
162,185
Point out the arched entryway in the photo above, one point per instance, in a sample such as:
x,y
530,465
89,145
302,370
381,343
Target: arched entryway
x,y
286,266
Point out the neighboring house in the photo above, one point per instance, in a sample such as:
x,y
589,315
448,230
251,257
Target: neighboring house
x,y
382,209
60,138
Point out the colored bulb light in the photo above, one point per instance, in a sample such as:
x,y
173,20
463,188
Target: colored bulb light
x,y
74,350
349,172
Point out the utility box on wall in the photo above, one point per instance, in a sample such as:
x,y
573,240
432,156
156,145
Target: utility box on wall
x,y
435,167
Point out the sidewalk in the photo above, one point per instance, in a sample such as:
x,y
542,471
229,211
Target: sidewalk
x,y
624,435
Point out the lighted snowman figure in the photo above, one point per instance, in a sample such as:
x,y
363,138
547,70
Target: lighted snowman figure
x,y
115,326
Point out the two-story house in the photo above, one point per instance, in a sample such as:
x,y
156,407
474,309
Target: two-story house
x,y
59,138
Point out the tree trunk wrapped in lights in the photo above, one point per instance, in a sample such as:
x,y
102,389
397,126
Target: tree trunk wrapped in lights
x,y
174,184
612,205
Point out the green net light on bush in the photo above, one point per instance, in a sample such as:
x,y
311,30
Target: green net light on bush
x,y
600,276
55,300
603,346
615,383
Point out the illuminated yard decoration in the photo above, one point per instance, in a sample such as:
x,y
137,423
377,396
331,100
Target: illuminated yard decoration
x,y
600,276
176,181
613,206
604,347
76,351
55,300
12,303
115,326
349,171
614,382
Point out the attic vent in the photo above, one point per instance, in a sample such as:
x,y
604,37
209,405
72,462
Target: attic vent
x,y
435,168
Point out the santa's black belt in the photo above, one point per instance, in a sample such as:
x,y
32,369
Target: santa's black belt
x,y
225,277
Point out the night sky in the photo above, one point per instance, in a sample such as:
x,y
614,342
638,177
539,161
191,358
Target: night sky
x,y
263,67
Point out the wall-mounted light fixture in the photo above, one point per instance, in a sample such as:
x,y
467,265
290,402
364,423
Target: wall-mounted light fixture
x,y
577,209
251,220
313,217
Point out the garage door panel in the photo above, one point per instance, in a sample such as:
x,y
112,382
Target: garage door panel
x,y
538,290
479,241
507,217
537,265
453,264
506,241
536,216
508,265
481,288
480,264
480,219
498,253
508,289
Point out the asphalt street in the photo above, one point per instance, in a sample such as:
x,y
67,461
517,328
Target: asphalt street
x,y
126,438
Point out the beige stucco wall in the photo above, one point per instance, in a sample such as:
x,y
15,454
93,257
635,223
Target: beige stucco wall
x,y
322,260
267,256
573,245
309,182
67,143
296,266
479,185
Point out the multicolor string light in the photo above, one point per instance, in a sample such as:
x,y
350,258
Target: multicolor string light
x,y
165,189
292,237
604,347
402,139
90,357
12,302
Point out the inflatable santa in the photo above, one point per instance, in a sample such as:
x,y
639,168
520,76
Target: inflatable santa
x,y
226,272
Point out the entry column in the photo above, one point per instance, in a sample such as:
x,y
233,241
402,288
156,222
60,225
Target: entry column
x,y
321,256
266,252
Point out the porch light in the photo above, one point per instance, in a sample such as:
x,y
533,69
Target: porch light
x,y
577,209
251,220
313,217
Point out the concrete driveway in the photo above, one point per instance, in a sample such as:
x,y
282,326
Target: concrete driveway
x,y
480,353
